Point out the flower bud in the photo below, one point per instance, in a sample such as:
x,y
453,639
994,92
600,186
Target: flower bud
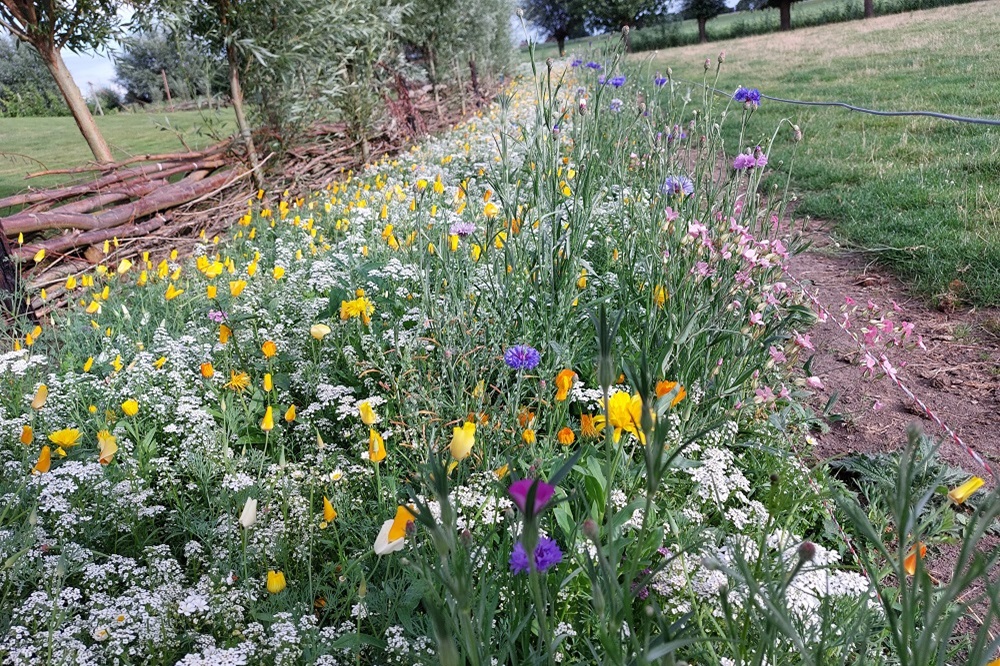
x,y
548,63
722,57
708,64
807,551
520,13
591,530
466,537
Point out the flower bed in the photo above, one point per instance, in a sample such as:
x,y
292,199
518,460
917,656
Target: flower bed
x,y
526,393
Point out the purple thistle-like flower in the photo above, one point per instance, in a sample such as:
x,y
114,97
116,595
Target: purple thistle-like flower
x,y
547,554
677,186
217,316
659,81
462,229
744,161
747,96
522,357
616,105
762,161
618,81
519,493
594,66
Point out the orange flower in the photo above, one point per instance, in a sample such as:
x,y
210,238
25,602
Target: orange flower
x,y
587,427
27,435
566,436
41,395
910,563
564,382
665,387
269,349
108,445
528,436
267,423
44,461
207,370
525,417
224,333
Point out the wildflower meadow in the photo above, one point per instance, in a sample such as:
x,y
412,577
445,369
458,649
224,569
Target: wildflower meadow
x,y
536,391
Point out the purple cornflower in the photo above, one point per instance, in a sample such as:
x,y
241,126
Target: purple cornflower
x,y
616,105
576,62
677,186
659,81
601,79
462,229
744,161
521,357
618,81
749,96
546,556
218,316
519,493
594,66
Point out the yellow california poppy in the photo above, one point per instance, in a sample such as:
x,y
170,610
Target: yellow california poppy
x,y
275,581
462,440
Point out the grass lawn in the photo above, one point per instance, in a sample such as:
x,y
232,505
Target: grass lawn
x,y
35,144
919,194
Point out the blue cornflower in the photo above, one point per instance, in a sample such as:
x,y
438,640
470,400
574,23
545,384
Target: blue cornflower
x,y
618,81
594,66
576,62
659,81
616,105
677,186
522,357
462,229
748,96
547,555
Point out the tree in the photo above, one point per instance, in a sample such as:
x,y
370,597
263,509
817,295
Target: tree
x,y
50,26
616,14
703,11
869,8
561,19
190,67
26,88
785,8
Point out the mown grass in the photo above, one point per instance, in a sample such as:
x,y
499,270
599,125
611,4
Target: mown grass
x,y
918,194
35,144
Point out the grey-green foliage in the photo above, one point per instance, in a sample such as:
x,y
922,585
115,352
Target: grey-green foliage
x,y
26,88
450,33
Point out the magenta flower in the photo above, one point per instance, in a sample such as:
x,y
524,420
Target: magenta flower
x,y
519,493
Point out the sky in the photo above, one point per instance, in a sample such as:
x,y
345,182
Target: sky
x,y
90,68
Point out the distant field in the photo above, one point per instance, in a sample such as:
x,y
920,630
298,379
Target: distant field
x,y
35,144
806,11
921,195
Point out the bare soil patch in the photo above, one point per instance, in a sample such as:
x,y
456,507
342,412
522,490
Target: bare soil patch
x,y
958,376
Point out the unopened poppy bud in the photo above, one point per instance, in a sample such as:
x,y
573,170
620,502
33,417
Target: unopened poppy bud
x,y
796,133
670,72
466,537
548,63
411,528
807,551
625,30
520,13
722,57
773,478
708,64
590,530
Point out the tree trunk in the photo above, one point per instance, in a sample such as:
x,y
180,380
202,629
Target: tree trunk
x,y
786,15
561,41
869,8
77,106
702,35
236,93
474,74
429,54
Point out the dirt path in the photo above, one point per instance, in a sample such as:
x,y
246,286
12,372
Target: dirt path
x,y
957,377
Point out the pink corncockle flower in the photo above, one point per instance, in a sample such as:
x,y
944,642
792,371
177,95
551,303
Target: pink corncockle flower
x,y
895,306
803,341
907,329
777,355
771,300
736,305
726,251
873,306
671,214
887,366
849,301
779,287
519,493
755,375
847,321
703,269
738,405
888,326
737,209
743,278
750,254
783,392
698,230
871,335
821,316
870,363
757,319
877,407
764,395
815,383
779,249
920,342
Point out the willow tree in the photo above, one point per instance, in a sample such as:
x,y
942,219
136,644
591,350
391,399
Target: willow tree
x,y
49,26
